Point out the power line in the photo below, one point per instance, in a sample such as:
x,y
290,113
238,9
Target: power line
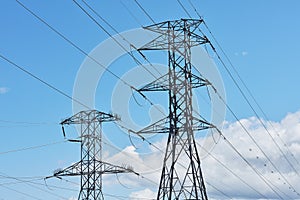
x,y
52,87
252,138
117,32
252,96
82,51
248,102
217,189
26,122
40,146
184,8
257,104
19,192
130,13
32,147
195,9
153,20
269,184
102,28
29,183
85,53
141,7
40,80
232,172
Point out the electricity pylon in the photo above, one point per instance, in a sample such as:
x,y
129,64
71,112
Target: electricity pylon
x,y
91,167
181,176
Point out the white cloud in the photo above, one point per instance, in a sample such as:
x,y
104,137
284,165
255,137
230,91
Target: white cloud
x,y
143,194
243,53
148,164
3,90
287,132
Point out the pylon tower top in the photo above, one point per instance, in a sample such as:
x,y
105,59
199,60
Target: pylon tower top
x,y
172,35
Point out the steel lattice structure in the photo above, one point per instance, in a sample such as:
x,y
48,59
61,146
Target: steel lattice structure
x,y
179,180
91,167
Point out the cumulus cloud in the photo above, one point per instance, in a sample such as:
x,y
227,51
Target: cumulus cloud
x,y
275,168
3,90
282,179
143,194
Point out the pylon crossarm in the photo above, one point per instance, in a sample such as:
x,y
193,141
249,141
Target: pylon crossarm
x,y
162,27
158,43
103,168
109,168
201,124
198,39
73,170
198,81
174,31
157,127
89,116
160,84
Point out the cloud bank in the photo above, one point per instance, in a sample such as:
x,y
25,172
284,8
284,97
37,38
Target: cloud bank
x,y
226,174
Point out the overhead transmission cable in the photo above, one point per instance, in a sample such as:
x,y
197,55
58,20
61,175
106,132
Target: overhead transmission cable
x,y
22,193
26,122
84,53
251,137
32,147
110,35
73,44
51,86
248,102
247,89
131,14
141,7
46,24
269,184
258,105
217,189
32,185
39,79
123,38
254,168
248,133
213,49
251,95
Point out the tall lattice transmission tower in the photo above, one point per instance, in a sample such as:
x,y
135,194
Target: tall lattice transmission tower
x,y
181,176
91,167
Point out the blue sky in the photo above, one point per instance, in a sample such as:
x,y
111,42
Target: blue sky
x,y
261,38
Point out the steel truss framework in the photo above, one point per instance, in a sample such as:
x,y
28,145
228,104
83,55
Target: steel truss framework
x,y
91,167
178,180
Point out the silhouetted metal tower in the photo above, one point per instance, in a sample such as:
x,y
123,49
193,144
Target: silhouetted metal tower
x,y
91,167
181,176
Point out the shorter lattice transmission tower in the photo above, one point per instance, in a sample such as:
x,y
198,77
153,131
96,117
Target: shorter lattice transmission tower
x,y
91,167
